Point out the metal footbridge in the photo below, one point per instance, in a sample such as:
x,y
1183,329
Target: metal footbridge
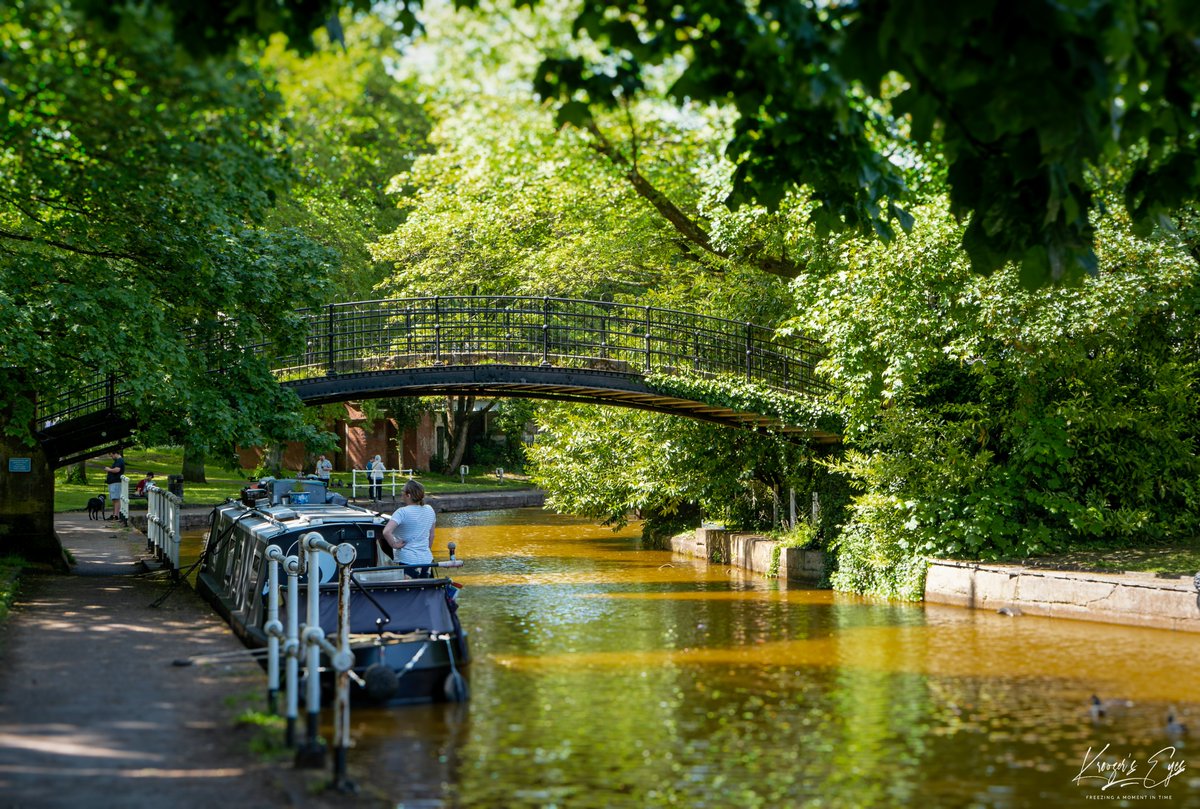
x,y
494,346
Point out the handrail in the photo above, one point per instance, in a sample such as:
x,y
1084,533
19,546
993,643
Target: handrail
x,y
162,525
380,335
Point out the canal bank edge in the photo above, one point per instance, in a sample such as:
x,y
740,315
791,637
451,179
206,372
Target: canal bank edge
x,y
1133,599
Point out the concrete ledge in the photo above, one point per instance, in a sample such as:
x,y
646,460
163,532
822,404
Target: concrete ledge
x,y
1135,599
751,552
486,501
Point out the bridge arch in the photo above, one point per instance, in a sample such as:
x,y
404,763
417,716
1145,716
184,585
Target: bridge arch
x,y
500,346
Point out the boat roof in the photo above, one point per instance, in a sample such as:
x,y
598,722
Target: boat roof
x,y
268,522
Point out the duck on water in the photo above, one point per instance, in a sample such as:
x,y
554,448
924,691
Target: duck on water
x,y
408,643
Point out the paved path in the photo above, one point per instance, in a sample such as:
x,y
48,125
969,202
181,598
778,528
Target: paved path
x,y
93,712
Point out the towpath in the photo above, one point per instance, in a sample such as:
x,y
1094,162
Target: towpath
x,y
93,711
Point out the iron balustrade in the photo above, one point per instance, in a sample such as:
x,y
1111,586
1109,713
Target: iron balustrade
x,y
384,335
366,336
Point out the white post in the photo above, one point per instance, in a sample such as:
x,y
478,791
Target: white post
x,y
345,555
152,530
312,635
791,508
124,510
273,627
173,508
292,647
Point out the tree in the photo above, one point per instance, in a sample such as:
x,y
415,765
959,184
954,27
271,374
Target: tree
x,y
1024,103
131,218
610,463
350,128
989,422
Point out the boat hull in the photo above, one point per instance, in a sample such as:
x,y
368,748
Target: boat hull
x,y
408,644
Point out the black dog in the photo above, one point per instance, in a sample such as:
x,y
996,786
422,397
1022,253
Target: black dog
x,y
96,507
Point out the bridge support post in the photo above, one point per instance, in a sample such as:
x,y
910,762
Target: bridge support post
x,y
27,503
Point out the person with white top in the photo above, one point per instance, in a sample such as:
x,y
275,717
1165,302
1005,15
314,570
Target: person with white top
x,y
324,470
376,473
409,531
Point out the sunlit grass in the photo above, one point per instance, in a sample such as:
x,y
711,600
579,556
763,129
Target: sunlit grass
x,y
223,483
1174,559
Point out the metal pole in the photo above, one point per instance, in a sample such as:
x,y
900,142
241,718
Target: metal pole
x,y
748,350
176,537
437,330
545,331
313,754
647,339
273,627
345,555
329,341
292,647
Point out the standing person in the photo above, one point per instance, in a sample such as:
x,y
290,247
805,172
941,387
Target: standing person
x,y
113,479
376,470
324,469
410,531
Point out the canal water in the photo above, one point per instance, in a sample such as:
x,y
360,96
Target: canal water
x,y
609,676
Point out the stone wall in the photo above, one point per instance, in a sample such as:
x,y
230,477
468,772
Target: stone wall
x,y
752,552
1135,599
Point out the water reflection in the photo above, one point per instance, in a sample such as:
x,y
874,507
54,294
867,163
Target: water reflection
x,y
609,676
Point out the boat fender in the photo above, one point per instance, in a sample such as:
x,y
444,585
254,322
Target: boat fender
x,y
381,681
335,499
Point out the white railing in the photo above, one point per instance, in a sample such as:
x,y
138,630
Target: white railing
x,y
123,509
392,479
292,643
162,522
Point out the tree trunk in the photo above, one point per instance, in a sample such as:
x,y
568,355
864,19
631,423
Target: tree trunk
x,y
26,488
193,465
457,416
273,460
77,473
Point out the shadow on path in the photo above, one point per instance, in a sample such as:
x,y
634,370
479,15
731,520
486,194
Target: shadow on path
x,y
93,713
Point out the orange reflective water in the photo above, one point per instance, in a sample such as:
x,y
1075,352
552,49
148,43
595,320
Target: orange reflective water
x,y
605,675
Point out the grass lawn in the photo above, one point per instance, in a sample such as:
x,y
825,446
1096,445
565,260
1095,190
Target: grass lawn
x,y
1175,559
223,483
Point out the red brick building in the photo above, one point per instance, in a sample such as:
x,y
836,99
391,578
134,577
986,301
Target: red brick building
x,y
359,441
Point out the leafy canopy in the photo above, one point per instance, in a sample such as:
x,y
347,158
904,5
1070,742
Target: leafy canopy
x,y
136,184
1023,102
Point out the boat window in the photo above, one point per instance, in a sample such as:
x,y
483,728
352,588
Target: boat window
x,y
252,589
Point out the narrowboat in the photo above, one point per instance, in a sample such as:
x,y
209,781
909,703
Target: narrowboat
x,y
408,643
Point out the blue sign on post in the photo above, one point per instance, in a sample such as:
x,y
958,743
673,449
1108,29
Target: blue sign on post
x,y
20,465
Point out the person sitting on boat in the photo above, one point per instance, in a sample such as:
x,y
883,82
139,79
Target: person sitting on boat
x,y
410,531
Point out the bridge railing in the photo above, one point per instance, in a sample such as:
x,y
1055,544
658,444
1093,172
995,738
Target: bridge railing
x,y
367,336
101,394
